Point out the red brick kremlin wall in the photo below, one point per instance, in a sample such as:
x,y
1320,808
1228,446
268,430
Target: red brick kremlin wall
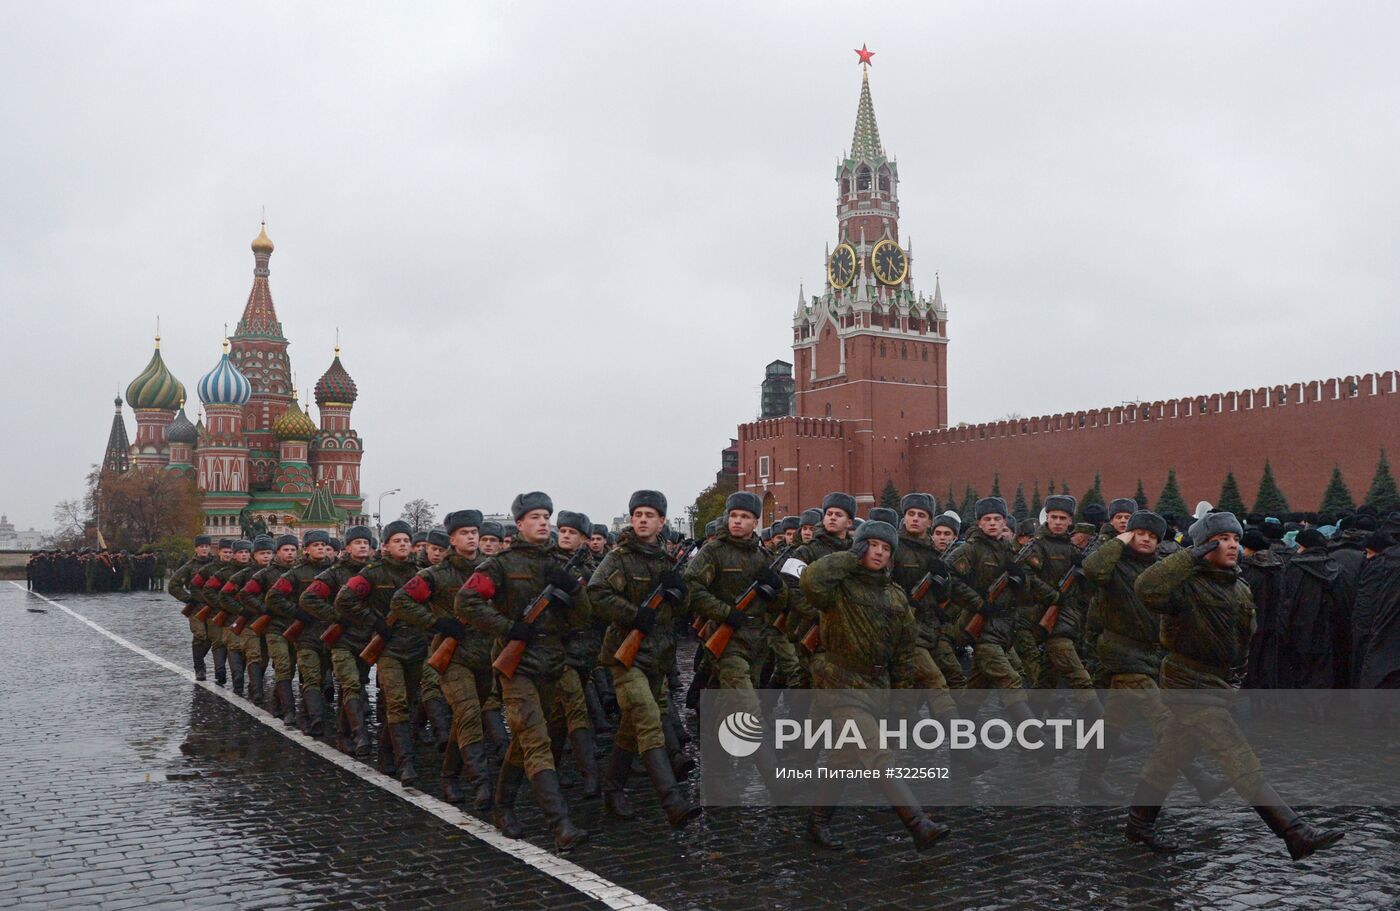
x,y
1303,430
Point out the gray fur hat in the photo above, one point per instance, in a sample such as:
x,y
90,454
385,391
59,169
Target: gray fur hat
x,y
742,499
877,530
991,506
575,520
924,501
241,544
653,498
462,518
263,542
1122,504
810,517
529,502
1061,502
283,540
946,521
492,530
712,528
1148,520
1212,524
396,527
888,516
438,538
841,501
790,523
315,537
598,530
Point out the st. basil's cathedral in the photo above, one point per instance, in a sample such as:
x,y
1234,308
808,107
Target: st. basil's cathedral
x,y
255,454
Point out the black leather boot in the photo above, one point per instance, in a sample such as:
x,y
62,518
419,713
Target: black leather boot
x,y
220,660
567,836
198,649
681,764
479,773
1020,711
441,717
503,810
601,723
1142,819
582,743
1207,786
1302,838
359,727
493,726
451,776
255,682
615,800
972,762
288,705
923,830
315,710
679,811
401,735
819,818
388,763
236,663
1092,787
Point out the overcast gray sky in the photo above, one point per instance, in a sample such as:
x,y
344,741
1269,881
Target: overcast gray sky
x,y
562,240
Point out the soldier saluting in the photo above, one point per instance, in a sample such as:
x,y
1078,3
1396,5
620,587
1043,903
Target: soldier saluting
x,y
1207,616
494,600
620,591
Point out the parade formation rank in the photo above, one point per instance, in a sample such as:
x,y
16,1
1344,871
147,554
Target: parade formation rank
x,y
254,448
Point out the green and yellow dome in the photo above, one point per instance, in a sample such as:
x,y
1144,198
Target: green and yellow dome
x,y
294,424
156,387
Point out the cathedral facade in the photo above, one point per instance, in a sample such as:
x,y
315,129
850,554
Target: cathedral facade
x,y
256,455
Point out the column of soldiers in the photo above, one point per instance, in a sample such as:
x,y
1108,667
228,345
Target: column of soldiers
x,y
508,646
93,571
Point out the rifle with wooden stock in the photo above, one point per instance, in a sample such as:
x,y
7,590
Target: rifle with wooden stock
x,y
627,651
719,639
979,621
1052,613
370,653
509,658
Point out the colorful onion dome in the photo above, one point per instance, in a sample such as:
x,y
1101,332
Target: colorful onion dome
x,y
181,430
335,386
225,384
156,387
294,424
262,243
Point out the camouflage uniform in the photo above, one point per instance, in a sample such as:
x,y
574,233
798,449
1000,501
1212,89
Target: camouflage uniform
x,y
914,559
800,620
214,579
351,674
1051,559
183,588
252,596
244,646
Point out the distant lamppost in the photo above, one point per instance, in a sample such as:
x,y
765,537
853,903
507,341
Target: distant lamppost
x,y
379,513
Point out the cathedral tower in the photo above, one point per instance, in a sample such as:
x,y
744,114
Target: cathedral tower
x,y
259,351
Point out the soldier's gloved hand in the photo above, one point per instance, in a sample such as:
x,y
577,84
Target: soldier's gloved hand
x,y
303,616
860,548
1077,559
380,627
645,620
769,584
673,586
450,627
522,631
938,568
734,619
1199,551
562,580
1015,578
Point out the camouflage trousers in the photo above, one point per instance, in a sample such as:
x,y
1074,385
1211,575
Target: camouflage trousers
x,y
1065,664
1191,728
430,683
570,708
201,630
1027,648
737,678
463,689
312,663
350,673
399,682
947,660
639,696
1138,697
252,646
282,655
932,679
787,670
525,700
993,669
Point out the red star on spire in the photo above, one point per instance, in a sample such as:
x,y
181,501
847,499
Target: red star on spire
x,y
865,54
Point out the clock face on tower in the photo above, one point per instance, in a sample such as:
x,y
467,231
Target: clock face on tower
x,y
841,268
890,263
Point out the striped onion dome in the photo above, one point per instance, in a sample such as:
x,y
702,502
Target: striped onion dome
x,y
225,385
156,387
181,430
294,424
335,387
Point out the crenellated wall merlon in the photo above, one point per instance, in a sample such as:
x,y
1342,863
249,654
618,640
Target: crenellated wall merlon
x,y
778,428
1280,396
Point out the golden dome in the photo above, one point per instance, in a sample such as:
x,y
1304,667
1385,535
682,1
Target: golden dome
x,y
262,243
294,424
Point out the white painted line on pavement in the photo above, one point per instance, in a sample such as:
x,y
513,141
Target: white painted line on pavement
x,y
567,872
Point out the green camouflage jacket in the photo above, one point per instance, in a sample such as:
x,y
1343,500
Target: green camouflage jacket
x,y
869,634
1129,638
181,587
430,595
979,561
1207,620
717,577
625,579
318,600
284,595
365,598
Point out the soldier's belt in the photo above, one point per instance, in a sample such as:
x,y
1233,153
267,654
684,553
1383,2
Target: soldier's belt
x,y
1191,664
1118,639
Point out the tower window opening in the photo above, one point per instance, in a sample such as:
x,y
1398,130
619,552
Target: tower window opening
x,y
863,178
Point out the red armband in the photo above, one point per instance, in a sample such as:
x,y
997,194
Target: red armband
x,y
197,581
252,588
360,586
229,588
212,583
419,589
318,589
282,587
481,585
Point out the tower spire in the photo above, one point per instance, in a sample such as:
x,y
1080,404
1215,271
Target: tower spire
x,y
118,454
865,141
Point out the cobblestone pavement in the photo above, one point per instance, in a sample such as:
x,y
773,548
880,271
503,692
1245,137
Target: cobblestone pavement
x,y
127,786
